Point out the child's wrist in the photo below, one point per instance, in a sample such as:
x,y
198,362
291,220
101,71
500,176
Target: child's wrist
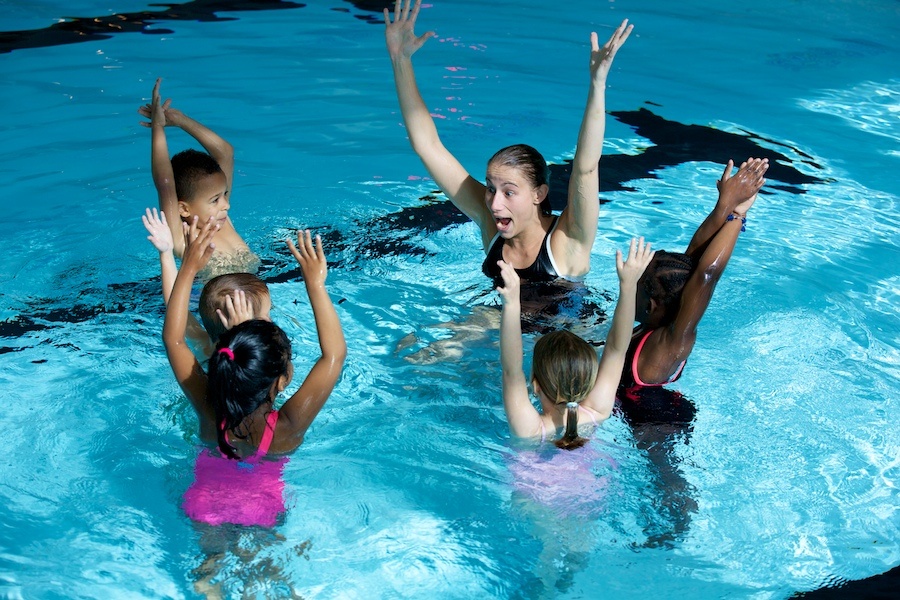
x,y
738,217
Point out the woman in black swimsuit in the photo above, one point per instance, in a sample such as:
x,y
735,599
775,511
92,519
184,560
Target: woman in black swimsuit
x,y
511,207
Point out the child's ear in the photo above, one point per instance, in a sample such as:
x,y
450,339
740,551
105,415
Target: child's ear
x,y
536,387
285,380
280,384
184,211
542,192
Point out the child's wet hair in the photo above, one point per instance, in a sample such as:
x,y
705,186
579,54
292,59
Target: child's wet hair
x,y
530,163
219,288
249,358
565,367
665,280
189,167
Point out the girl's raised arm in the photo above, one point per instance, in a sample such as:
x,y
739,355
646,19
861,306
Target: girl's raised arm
x,y
161,238
161,165
301,409
578,221
602,398
199,247
466,193
668,346
524,419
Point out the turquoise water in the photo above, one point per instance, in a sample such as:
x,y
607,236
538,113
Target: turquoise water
x,y
403,487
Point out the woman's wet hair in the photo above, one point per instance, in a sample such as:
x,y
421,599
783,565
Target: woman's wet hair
x,y
665,282
530,163
565,367
219,288
249,358
189,167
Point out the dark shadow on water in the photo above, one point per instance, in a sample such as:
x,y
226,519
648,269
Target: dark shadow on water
x,y
74,30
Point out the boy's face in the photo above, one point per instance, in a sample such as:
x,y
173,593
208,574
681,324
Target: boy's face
x,y
210,200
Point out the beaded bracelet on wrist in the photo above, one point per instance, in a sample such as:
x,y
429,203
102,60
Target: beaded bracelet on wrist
x,y
734,216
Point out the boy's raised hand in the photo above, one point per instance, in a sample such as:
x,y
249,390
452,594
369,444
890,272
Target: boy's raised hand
x,y
198,244
509,291
639,256
159,111
160,234
156,110
311,258
238,309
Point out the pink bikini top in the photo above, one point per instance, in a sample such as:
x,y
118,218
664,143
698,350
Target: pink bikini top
x,y
634,366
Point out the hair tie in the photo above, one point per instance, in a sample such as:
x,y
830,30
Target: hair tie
x,y
227,352
572,405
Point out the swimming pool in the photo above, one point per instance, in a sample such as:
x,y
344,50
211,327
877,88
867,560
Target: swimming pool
x,y
789,480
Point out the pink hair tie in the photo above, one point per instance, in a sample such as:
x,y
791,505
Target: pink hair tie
x,y
227,352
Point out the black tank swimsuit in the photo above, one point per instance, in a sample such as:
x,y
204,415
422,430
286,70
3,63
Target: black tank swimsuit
x,y
542,270
549,301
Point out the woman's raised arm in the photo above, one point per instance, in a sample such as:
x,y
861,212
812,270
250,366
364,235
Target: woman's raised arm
x,y
578,222
464,191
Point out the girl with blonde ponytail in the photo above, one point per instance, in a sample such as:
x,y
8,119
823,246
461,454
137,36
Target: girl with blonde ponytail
x,y
571,384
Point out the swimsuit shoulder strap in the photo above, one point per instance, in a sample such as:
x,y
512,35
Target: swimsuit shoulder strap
x,y
493,244
634,359
547,248
268,433
634,365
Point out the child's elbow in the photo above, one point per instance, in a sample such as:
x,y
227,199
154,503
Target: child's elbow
x,y
711,273
341,357
336,356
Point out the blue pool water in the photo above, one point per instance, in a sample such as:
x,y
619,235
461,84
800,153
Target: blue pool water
x,y
404,487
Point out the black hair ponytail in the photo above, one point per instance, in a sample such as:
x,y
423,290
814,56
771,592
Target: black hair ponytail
x,y
248,359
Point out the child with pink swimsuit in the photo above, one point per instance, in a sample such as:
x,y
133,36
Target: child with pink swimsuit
x,y
235,398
